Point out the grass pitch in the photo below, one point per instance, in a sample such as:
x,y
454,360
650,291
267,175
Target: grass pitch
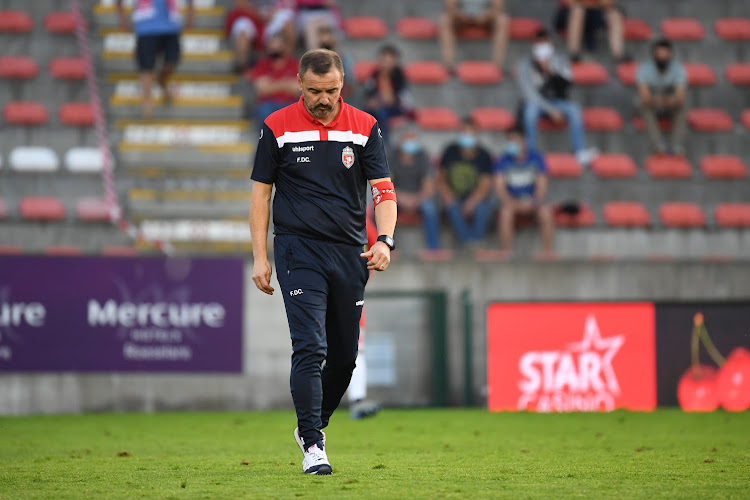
x,y
398,454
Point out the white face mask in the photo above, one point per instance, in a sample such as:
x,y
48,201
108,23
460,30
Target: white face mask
x,y
543,51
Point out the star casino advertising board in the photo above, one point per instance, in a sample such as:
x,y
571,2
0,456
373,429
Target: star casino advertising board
x,y
559,357
125,314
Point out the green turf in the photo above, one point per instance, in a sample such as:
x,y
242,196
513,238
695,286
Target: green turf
x,y
398,454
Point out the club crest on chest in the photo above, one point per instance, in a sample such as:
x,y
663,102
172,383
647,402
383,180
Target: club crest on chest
x,y
347,157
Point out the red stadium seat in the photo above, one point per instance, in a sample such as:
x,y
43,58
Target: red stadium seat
x,y
3,209
492,118
723,167
738,73
668,167
120,251
681,214
10,250
437,119
524,28
626,72
368,27
15,21
63,250
746,118
364,70
473,33
479,73
589,73
710,120
682,29
68,68
41,208
733,28
92,210
637,30
18,67
614,165
61,23
563,165
417,28
426,72
732,214
665,124
626,214
79,114
584,218
25,113
700,75
602,119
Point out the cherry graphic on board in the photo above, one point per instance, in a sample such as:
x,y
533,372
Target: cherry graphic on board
x,y
697,391
733,381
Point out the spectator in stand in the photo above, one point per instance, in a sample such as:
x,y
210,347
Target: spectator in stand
x,y
465,185
386,92
274,78
545,79
662,85
157,25
412,174
485,14
277,18
328,40
584,19
313,15
521,185
244,27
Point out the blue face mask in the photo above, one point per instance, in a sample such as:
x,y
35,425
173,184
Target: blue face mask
x,y
467,141
512,148
411,146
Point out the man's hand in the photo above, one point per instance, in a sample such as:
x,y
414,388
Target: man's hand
x,y
378,257
557,116
408,202
469,206
262,275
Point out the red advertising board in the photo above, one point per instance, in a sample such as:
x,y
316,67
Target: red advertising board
x,y
551,357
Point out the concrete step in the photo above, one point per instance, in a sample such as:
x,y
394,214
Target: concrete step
x,y
218,62
205,17
231,107
214,156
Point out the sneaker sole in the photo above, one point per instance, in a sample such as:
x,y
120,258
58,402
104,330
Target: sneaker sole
x,y
322,470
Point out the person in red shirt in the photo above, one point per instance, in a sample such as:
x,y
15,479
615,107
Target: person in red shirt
x,y
244,27
274,78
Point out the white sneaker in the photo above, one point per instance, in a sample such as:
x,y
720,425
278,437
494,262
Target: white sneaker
x,y
301,442
586,156
315,459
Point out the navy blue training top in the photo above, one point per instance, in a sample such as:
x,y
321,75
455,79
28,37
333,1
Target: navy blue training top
x,y
320,171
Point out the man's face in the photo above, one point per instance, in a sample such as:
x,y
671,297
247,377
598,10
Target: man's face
x,y
387,61
320,93
327,40
662,56
276,47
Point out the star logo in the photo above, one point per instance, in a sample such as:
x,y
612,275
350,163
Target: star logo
x,y
593,341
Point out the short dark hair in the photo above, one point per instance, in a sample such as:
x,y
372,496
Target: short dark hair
x,y
389,49
661,43
320,62
468,120
516,130
541,33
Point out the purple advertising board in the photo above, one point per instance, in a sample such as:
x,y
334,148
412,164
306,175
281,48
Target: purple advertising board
x,y
120,314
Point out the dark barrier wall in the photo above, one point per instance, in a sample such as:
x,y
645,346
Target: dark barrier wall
x,y
728,324
120,315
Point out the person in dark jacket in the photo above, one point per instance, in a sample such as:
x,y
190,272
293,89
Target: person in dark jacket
x,y
386,91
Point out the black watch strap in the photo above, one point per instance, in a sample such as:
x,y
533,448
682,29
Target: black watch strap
x,y
387,240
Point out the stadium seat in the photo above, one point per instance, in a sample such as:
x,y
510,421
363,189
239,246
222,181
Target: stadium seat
x,y
547,125
417,28
478,73
681,214
15,21
68,68
80,114
700,75
473,33
626,72
3,209
366,27
63,250
665,124
738,73
10,250
60,23
426,72
437,119
584,218
18,67
626,214
723,167
614,165
409,218
563,165
84,160
33,159
25,113
41,208
710,120
733,28
637,30
668,167
524,28
589,73
492,118
732,215
602,119
92,210
119,251
364,70
682,29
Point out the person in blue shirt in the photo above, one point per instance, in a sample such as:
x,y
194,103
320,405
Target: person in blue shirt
x,y
521,184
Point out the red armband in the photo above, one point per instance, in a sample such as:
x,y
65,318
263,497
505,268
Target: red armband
x,y
382,191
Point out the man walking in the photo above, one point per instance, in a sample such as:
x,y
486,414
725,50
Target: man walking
x,y
320,154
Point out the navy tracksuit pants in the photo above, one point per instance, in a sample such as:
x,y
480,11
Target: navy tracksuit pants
x,y
323,284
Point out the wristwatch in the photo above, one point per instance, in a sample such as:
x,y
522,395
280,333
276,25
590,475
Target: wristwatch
x,y
387,240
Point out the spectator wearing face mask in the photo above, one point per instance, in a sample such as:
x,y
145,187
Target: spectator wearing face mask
x,y
412,174
274,78
244,27
662,86
521,185
465,185
545,78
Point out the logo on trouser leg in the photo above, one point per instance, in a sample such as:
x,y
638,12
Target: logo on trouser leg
x,y
359,303
298,291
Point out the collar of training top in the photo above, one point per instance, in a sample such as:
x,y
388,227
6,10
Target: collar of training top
x,y
303,111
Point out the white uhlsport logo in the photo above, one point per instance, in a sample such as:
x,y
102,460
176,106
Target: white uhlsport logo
x,y
347,157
